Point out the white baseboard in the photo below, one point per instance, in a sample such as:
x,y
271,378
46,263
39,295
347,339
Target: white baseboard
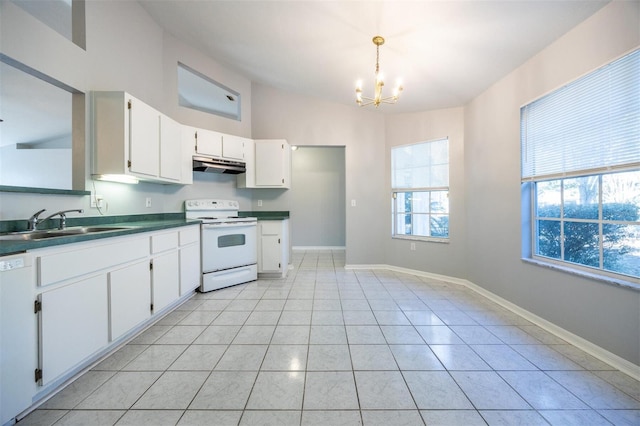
x,y
592,349
318,248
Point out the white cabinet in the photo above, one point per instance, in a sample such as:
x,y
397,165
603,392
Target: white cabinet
x,y
273,247
164,280
18,335
129,298
73,325
133,139
209,143
170,149
89,297
144,135
189,254
268,165
165,272
220,145
188,150
233,147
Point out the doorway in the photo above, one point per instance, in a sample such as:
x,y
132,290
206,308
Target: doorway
x,y
318,207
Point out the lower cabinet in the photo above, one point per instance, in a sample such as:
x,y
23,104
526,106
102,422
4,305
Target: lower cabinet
x,y
73,325
89,297
165,279
190,269
273,248
129,298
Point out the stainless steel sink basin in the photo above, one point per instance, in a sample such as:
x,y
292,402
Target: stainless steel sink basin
x,y
53,233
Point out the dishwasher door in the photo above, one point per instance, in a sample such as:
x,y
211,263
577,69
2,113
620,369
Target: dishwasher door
x,y
18,335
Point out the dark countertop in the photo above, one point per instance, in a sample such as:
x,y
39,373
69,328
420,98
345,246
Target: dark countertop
x,y
134,223
266,215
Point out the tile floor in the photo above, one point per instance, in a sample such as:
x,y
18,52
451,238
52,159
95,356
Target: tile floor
x,y
329,346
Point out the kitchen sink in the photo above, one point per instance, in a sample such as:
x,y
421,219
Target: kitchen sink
x,y
53,233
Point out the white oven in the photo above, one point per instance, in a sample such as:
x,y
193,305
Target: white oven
x,y
229,250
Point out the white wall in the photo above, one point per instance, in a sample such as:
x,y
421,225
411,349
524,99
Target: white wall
x,y
308,121
439,258
35,167
317,197
606,315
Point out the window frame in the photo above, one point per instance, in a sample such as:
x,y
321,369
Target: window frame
x,y
562,220
429,213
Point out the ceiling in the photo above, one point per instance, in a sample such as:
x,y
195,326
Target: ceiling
x,y
445,52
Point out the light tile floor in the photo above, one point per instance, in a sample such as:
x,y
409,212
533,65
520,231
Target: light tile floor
x,y
329,346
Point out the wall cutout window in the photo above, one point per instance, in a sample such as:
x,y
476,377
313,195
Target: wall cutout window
x,y
66,17
199,92
580,148
420,189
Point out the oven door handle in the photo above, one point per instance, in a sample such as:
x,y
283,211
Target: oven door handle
x,y
229,225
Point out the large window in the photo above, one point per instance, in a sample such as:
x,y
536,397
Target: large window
x,y
581,167
420,187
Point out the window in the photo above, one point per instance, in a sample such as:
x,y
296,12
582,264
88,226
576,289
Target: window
x,y
199,92
420,186
581,166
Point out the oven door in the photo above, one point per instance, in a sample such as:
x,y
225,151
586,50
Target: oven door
x,y
228,245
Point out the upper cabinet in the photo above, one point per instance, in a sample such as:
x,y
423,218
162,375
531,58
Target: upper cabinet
x,y
233,147
220,145
208,142
133,139
268,165
170,149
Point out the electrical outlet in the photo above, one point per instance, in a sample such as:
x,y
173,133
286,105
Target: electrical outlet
x,y
259,203
148,202
353,203
413,246
97,201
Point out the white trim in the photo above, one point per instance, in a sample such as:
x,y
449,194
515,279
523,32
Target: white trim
x,y
592,349
311,248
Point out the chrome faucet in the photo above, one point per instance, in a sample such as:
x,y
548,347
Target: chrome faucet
x,y
34,221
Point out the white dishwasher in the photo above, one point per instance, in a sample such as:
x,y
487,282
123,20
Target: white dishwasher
x,y
18,335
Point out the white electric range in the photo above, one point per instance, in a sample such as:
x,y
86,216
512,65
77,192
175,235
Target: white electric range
x,y
228,243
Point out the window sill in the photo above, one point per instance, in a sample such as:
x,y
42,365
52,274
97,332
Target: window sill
x,y
584,274
417,238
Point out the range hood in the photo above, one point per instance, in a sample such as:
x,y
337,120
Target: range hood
x,y
218,165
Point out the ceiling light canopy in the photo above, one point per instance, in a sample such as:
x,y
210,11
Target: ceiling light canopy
x,y
377,96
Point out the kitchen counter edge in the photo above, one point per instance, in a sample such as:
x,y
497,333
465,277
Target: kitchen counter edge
x,y
266,215
132,227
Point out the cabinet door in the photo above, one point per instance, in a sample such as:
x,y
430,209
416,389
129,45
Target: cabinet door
x,y
129,298
269,163
209,143
144,139
233,147
165,280
188,150
190,271
73,325
270,246
18,336
170,149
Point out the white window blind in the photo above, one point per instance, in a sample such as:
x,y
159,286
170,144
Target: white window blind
x,y
421,165
589,125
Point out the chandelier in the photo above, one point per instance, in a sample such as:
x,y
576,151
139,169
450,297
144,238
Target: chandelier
x,y
377,94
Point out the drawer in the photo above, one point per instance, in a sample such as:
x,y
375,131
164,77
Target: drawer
x,y
189,235
56,267
270,227
164,242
